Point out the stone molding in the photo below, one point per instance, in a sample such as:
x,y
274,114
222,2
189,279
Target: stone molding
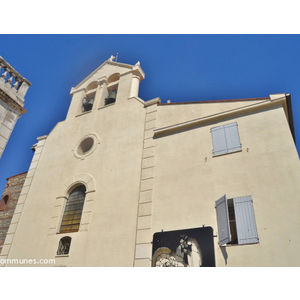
x,y
252,108
22,199
143,245
60,202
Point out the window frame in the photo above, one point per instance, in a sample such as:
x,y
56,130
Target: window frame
x,y
64,239
242,227
111,90
77,150
66,219
225,139
4,203
89,98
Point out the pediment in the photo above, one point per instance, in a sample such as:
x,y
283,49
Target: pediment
x,y
103,72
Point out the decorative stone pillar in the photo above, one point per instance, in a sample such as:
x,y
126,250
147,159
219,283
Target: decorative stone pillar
x,y
137,76
102,91
135,83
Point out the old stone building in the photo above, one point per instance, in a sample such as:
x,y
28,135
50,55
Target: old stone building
x,y
8,202
13,88
128,182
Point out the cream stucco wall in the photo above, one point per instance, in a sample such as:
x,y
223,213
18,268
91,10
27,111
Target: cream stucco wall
x,y
188,181
174,113
115,168
152,169
108,226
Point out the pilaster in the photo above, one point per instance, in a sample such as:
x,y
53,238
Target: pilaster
x,y
143,244
22,200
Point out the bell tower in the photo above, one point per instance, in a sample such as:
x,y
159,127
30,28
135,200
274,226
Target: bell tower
x,y
13,87
110,84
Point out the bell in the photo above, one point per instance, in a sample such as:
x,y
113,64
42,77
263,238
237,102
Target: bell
x,y
87,104
111,97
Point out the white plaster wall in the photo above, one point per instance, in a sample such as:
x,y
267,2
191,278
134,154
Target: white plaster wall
x,y
108,226
188,181
179,113
170,182
115,166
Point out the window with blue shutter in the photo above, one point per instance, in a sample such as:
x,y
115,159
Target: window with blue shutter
x,y
245,220
223,221
236,221
225,139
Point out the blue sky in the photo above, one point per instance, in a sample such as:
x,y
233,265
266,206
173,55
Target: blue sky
x,y
178,67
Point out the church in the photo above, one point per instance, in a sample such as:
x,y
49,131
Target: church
x,y
125,182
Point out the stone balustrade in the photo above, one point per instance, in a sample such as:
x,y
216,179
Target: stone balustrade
x,y
12,79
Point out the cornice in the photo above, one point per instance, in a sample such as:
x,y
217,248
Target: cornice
x,y
12,103
251,108
153,101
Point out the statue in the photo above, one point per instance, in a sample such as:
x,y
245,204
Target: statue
x,y
111,58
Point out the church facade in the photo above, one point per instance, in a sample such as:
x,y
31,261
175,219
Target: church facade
x,y
133,183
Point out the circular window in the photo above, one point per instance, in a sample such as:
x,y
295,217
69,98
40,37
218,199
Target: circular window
x,y
86,146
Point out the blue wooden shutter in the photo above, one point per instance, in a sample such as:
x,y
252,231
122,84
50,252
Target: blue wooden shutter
x,y
225,139
245,220
223,221
232,137
219,140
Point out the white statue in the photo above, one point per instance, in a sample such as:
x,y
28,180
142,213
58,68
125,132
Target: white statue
x,y
111,58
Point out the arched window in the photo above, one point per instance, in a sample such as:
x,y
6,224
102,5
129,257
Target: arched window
x,y
88,102
5,199
64,246
112,88
4,202
73,210
89,99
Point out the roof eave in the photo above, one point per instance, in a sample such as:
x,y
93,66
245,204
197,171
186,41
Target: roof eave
x,y
290,115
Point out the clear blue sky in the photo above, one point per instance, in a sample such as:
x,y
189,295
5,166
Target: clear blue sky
x,y
177,67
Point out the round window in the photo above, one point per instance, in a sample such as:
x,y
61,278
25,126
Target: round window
x,y
86,146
